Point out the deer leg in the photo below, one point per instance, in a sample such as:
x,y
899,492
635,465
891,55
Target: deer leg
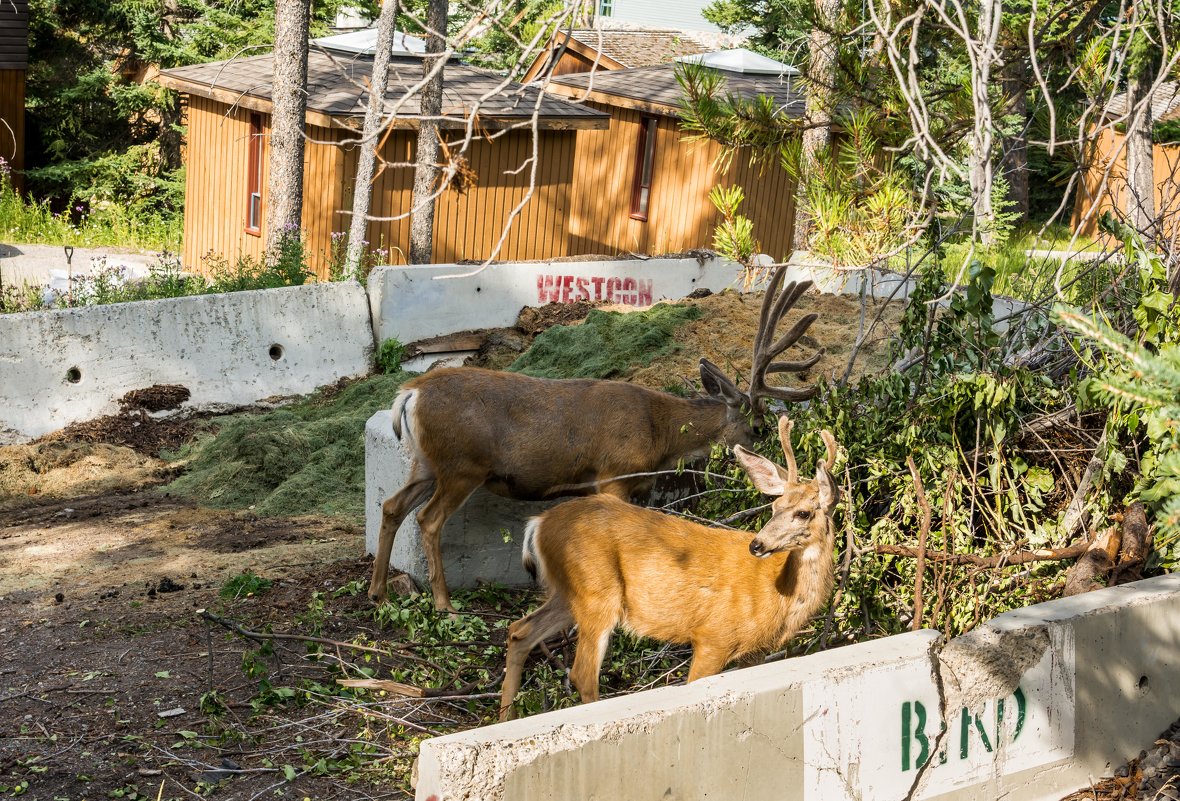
x,y
446,500
523,636
393,512
706,661
593,638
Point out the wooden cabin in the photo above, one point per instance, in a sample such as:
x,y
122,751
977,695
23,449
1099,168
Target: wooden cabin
x,y
586,49
14,63
227,153
1107,158
643,188
613,173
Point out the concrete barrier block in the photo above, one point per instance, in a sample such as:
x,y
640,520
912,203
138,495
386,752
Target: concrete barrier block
x,y
61,366
1030,706
480,543
411,303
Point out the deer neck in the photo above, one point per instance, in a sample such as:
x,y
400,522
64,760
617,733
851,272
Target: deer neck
x,y
804,582
692,426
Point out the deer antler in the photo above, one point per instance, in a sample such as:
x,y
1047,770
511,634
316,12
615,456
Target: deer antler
x,y
784,436
774,305
830,444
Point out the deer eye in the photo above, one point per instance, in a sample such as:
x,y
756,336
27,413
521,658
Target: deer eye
x,y
802,514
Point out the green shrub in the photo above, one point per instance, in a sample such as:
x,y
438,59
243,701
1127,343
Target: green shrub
x,y
390,356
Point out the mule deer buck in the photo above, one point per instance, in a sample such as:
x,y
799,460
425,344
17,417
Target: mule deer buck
x,y
606,564
532,438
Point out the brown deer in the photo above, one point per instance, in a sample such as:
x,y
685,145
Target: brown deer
x,y
532,438
606,564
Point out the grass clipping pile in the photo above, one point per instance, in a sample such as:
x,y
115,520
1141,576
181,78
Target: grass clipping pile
x,y
660,348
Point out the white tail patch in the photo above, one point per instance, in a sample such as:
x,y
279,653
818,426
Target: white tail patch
x,y
403,414
528,550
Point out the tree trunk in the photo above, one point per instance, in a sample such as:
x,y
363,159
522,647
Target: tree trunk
x,y
1014,159
821,94
1140,159
979,161
426,165
288,119
370,135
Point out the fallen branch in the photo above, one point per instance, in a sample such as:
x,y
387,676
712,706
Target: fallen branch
x,y
262,636
1136,545
1076,517
1095,564
923,533
1002,560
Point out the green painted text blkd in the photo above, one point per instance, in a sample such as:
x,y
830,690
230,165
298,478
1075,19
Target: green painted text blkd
x,y
913,731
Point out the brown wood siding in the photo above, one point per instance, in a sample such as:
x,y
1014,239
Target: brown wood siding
x,y
467,226
680,216
1112,197
12,122
215,197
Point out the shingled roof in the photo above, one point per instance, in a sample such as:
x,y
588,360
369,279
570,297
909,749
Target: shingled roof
x,y
1165,103
335,92
642,48
656,89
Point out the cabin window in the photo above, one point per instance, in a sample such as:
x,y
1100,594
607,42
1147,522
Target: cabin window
x,y
254,177
644,165
605,7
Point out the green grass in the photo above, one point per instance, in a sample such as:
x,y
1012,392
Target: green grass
x,y
28,221
606,345
306,458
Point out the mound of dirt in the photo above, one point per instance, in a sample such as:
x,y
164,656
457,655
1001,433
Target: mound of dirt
x,y
724,334
156,398
30,474
133,428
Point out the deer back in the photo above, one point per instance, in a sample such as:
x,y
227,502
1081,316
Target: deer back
x,y
529,436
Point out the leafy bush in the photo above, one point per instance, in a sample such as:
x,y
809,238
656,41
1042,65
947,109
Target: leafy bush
x,y
390,356
85,224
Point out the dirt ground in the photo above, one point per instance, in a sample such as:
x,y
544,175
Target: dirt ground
x,y
106,660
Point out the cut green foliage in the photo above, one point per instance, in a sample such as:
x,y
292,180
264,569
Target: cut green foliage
x,y
305,458
606,345
243,585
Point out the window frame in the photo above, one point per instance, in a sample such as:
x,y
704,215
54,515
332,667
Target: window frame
x,y
645,163
606,8
254,177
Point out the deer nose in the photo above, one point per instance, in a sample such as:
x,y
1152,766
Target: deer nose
x,y
757,548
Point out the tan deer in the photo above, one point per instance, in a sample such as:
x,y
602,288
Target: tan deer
x,y
606,564
532,438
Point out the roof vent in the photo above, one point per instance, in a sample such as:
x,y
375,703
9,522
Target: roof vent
x,y
364,42
740,60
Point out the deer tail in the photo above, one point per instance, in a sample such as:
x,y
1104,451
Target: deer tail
x,y
528,551
403,404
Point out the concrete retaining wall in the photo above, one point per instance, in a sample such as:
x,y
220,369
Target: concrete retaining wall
x,y
412,303
1036,703
58,367
480,542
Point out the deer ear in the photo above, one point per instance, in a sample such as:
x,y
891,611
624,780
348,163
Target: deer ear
x,y
766,476
829,493
718,386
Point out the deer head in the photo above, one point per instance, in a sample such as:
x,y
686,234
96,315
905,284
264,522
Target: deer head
x,y
801,509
